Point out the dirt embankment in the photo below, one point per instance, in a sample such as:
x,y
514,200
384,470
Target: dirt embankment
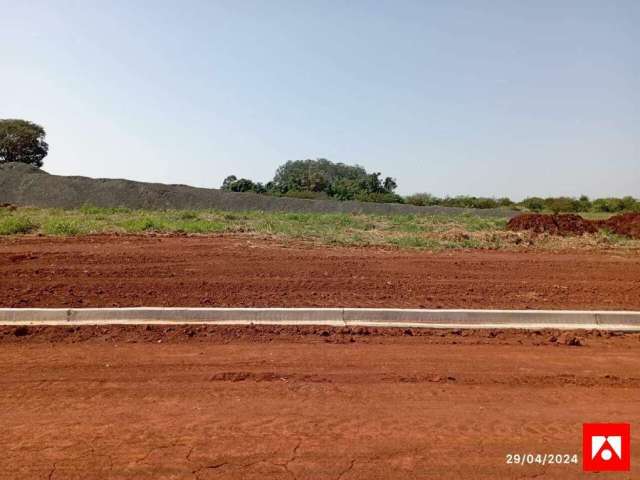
x,y
198,334
627,224
228,271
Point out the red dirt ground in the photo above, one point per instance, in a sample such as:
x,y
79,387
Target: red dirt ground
x,y
204,402
238,403
223,271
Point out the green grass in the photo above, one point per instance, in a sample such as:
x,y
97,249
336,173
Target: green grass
x,y
433,232
14,225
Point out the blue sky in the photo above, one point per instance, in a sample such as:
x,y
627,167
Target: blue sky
x,y
451,97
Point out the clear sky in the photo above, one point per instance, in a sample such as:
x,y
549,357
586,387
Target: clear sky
x,y
450,97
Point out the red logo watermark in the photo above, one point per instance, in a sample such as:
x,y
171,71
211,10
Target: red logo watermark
x,y
606,447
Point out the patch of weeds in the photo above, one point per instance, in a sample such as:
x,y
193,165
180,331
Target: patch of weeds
x,y
199,226
144,224
93,210
17,225
62,227
410,228
188,215
607,236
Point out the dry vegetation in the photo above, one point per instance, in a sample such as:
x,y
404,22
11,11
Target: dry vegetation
x,y
432,232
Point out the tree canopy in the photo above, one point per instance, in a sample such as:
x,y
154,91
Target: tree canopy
x,y
22,141
323,177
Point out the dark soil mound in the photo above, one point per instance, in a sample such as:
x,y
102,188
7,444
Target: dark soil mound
x,y
23,185
627,224
565,224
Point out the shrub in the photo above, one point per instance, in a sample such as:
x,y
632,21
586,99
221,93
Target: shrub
x,y
562,204
422,200
607,205
535,204
613,205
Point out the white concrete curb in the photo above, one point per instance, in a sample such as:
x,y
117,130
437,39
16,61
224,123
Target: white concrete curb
x,y
340,317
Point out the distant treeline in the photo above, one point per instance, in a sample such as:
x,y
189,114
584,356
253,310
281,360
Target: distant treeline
x,y
322,179
534,204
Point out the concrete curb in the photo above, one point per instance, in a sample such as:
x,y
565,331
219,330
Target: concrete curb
x,y
339,317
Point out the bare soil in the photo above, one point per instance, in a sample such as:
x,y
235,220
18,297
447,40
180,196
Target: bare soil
x,y
237,271
205,402
625,224
291,403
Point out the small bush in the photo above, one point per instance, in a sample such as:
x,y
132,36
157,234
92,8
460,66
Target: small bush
x,y
615,205
422,200
562,204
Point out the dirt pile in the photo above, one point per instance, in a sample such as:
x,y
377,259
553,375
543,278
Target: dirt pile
x,y
23,185
627,224
565,224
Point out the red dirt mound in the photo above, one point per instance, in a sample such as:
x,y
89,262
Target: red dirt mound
x,y
627,224
565,224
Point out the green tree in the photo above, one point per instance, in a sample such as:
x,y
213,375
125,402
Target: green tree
x,y
22,141
320,178
314,175
226,184
234,184
390,184
584,203
562,204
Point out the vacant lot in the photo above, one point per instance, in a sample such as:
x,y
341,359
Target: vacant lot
x,y
303,403
235,271
430,232
172,403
